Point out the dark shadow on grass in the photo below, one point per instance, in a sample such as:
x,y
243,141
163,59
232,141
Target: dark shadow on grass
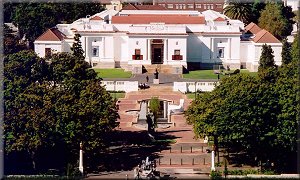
x,y
127,149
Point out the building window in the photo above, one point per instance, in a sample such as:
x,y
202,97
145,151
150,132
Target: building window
x,y
170,6
198,6
137,55
95,51
218,5
204,6
211,6
190,6
115,8
176,55
176,52
220,52
183,6
47,52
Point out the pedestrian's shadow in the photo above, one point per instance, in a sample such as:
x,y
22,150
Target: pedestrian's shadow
x,y
128,149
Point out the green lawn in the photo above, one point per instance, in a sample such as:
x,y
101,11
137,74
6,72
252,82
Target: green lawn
x,y
209,74
117,95
113,73
191,95
201,74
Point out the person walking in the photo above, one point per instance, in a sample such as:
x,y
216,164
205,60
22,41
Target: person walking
x,y
147,79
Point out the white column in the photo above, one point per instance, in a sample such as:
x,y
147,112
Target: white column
x,y
211,48
84,45
165,52
229,48
87,52
149,50
81,159
169,113
146,57
103,47
165,109
213,161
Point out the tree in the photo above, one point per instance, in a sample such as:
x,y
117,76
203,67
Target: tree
x,y
34,18
286,52
266,58
238,10
77,47
154,106
55,105
257,7
267,69
26,102
247,114
295,49
273,20
11,42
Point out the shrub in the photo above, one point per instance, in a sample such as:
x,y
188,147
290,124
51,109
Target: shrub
x,y
215,175
237,71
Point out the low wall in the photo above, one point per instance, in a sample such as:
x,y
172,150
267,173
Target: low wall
x,y
258,176
126,86
194,86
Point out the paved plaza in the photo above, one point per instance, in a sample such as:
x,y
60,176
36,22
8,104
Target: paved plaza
x,y
186,158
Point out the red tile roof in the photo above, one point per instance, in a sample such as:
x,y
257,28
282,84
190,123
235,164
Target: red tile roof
x,y
143,7
96,18
219,19
105,1
264,36
52,34
252,28
158,19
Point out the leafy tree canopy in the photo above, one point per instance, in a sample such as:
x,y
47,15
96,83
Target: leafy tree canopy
x,y
35,18
57,104
286,52
277,19
238,10
248,114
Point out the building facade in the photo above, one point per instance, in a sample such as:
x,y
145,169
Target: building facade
x,y
137,39
198,5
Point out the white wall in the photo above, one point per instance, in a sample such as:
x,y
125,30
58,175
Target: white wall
x,y
181,45
126,86
205,49
138,43
194,50
39,47
190,86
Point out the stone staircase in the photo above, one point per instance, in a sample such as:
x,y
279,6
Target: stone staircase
x,y
168,69
187,155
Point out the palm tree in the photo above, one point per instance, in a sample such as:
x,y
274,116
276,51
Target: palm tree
x,y
238,10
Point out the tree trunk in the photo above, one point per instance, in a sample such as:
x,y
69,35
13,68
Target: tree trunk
x,y
32,156
217,147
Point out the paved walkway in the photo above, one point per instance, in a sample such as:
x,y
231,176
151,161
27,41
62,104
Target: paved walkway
x,y
180,155
184,162
164,79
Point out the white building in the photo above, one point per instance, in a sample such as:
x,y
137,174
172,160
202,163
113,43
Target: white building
x,y
136,39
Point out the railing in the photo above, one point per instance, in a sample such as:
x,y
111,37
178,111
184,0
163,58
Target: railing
x,y
194,86
126,86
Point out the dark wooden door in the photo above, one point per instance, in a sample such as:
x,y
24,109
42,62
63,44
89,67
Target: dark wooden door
x,y
157,54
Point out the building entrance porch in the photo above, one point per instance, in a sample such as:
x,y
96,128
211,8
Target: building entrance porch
x,y
157,51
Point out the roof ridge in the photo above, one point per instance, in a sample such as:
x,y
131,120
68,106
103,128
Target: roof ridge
x,y
60,33
261,35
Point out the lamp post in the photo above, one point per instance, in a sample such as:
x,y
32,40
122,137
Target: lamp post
x,y
81,159
213,161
